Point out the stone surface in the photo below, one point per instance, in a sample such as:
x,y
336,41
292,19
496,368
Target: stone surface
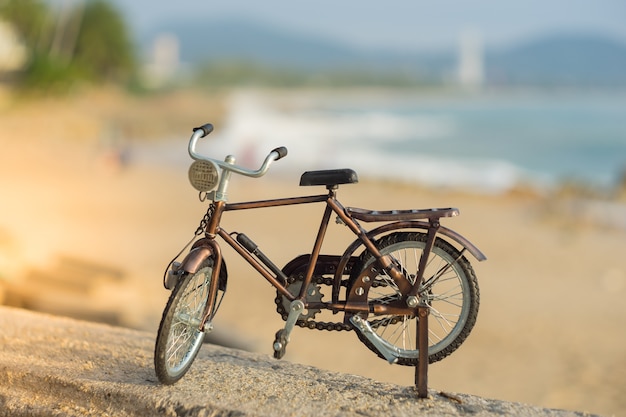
x,y
52,366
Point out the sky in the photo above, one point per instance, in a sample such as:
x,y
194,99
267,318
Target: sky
x,y
409,25
406,25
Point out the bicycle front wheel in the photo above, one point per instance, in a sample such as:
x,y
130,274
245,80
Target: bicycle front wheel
x,y
179,338
449,286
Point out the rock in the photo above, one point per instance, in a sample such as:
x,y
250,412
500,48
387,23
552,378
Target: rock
x,y
58,366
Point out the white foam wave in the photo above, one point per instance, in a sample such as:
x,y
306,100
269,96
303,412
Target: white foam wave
x,y
323,140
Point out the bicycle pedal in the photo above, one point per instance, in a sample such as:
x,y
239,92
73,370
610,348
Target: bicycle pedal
x,y
280,344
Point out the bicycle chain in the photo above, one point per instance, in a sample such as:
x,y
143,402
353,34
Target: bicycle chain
x,y
311,324
323,325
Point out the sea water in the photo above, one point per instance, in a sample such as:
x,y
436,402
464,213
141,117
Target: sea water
x,y
490,142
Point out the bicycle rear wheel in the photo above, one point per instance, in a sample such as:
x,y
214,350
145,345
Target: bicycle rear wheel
x,y
450,288
179,339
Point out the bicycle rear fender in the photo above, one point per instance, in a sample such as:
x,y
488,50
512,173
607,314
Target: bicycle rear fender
x,y
449,233
200,251
401,225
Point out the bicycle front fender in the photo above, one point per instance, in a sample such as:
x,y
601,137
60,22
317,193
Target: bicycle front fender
x,y
195,257
201,250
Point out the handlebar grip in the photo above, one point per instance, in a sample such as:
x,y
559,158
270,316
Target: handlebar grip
x,y
206,129
282,152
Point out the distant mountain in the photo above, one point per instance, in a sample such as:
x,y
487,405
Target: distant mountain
x,y
204,41
566,59
561,59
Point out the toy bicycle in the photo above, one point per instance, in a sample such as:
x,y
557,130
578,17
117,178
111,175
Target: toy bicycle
x,y
374,288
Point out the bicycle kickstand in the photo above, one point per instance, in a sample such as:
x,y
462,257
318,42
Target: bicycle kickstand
x,y
296,308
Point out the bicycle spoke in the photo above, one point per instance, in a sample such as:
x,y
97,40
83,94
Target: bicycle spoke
x,y
435,335
448,294
390,282
175,347
436,277
399,335
408,337
439,318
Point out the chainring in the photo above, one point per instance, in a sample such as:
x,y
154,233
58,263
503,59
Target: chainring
x,y
313,294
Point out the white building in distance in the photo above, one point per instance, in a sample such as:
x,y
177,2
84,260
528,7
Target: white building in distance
x,y
471,70
164,60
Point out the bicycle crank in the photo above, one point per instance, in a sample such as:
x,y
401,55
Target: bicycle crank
x,y
282,336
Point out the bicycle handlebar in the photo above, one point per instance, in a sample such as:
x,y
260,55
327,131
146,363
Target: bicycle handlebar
x,y
204,130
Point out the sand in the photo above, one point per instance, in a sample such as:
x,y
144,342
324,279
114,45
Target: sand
x,y
550,327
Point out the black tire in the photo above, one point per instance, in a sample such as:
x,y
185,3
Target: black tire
x,y
179,340
453,298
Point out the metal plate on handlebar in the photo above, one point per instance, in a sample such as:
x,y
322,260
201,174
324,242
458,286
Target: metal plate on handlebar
x,y
204,175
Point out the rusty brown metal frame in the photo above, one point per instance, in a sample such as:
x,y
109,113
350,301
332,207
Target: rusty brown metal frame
x,y
273,280
213,229
332,205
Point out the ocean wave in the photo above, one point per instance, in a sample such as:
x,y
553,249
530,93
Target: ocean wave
x,y
364,141
443,142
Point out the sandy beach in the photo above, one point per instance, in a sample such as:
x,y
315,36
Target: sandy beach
x,y
550,326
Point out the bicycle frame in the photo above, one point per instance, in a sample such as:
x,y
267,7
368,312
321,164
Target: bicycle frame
x,y
208,246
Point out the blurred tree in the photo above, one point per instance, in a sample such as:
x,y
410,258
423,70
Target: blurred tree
x,y
29,18
103,49
88,42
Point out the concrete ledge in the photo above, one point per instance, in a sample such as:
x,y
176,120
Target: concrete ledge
x,y
52,366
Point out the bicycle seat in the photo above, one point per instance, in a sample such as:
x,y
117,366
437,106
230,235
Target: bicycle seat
x,y
329,177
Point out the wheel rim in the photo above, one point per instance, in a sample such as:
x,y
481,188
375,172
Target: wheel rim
x,y
184,337
445,293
